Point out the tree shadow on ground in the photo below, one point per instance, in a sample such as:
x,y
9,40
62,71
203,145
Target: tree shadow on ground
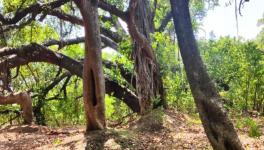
x,y
130,138
111,139
22,129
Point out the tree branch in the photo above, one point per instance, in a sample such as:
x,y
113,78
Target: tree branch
x,y
165,22
62,43
113,10
34,9
126,74
19,26
55,82
135,34
38,53
76,20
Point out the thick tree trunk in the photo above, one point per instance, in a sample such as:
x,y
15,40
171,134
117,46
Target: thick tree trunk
x,y
149,84
219,129
93,77
25,102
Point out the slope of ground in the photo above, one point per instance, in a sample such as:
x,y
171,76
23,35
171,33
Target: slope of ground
x,y
158,130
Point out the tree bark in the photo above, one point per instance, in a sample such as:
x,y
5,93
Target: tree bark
x,y
218,128
149,85
93,77
25,102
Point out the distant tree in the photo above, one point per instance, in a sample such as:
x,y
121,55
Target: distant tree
x,y
260,37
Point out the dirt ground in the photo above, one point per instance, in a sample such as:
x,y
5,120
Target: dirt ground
x,y
171,130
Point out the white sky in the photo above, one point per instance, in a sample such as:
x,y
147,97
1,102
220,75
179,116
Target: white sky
x,y
221,20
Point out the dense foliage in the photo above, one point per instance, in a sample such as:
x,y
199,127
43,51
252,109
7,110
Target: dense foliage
x,y
235,65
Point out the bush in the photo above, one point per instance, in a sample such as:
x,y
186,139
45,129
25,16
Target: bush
x,y
253,127
254,130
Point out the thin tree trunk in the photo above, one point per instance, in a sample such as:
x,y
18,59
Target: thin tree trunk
x,y
93,78
262,105
255,97
38,112
25,102
247,95
218,128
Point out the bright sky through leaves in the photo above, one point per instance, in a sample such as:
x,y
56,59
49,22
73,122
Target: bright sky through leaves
x,y
222,22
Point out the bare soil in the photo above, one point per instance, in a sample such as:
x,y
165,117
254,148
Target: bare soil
x,y
169,130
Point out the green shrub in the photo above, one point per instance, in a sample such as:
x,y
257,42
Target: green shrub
x,y
253,127
254,130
